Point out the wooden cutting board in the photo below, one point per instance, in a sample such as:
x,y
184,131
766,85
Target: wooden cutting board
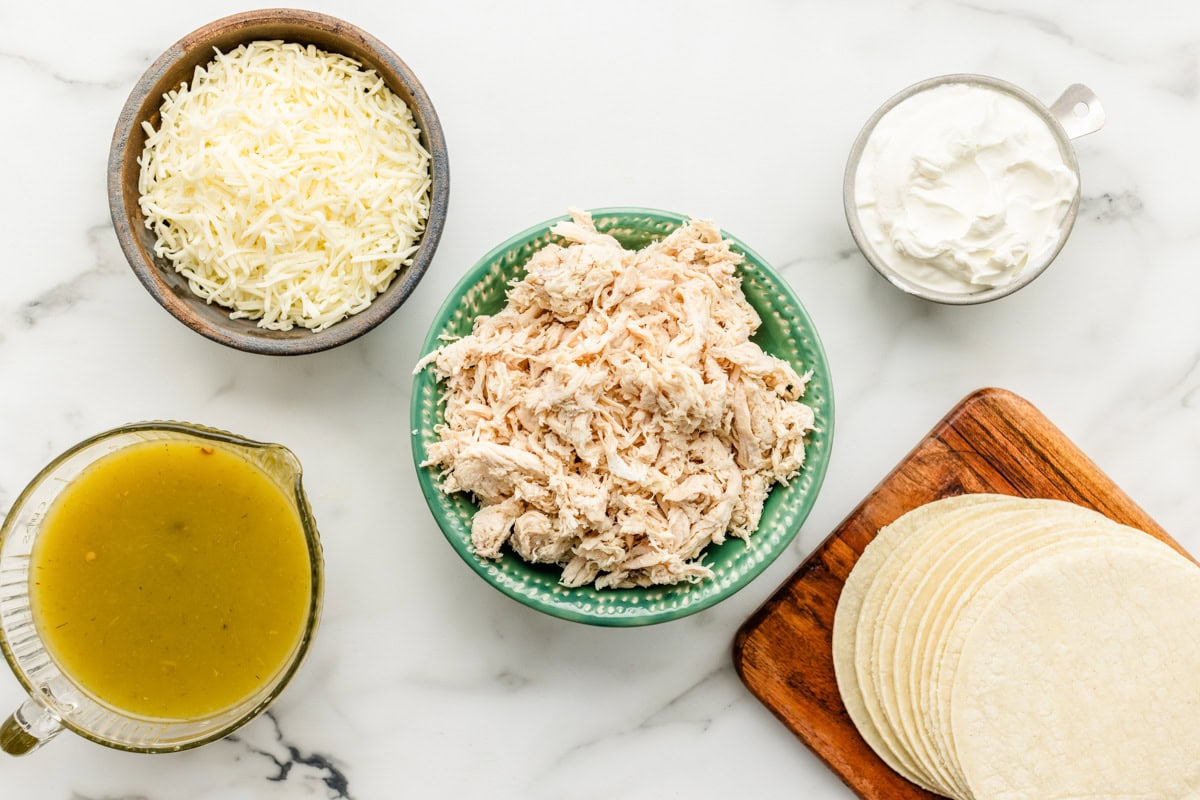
x,y
993,441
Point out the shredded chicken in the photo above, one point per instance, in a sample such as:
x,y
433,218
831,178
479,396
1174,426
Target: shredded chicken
x,y
614,417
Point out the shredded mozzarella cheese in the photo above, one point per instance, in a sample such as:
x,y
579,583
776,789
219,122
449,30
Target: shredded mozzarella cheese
x,y
287,184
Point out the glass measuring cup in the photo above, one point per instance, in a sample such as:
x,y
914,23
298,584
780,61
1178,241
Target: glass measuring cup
x,y
55,701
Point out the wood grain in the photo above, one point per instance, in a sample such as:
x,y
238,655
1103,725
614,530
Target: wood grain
x,y
993,441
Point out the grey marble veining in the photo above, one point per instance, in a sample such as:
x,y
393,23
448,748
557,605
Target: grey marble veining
x,y
425,682
293,764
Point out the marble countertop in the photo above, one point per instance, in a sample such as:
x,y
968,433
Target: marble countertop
x,y
426,682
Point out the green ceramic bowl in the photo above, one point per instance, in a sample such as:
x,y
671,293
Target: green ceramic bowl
x,y
786,332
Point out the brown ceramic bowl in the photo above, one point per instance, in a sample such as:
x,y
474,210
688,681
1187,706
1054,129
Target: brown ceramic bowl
x,y
176,65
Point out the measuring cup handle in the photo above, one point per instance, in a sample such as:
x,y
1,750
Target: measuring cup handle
x,y
1079,111
29,727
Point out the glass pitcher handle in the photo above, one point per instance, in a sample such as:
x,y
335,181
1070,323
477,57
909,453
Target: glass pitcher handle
x,y
29,727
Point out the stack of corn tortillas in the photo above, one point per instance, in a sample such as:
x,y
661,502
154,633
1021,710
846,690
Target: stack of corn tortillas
x,y
995,648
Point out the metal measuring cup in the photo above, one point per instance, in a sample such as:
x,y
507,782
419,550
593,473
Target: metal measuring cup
x,y
1077,112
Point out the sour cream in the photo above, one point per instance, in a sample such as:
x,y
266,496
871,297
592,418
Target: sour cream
x,y
961,188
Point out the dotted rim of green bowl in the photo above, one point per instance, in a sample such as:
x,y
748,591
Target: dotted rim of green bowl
x,y
739,563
